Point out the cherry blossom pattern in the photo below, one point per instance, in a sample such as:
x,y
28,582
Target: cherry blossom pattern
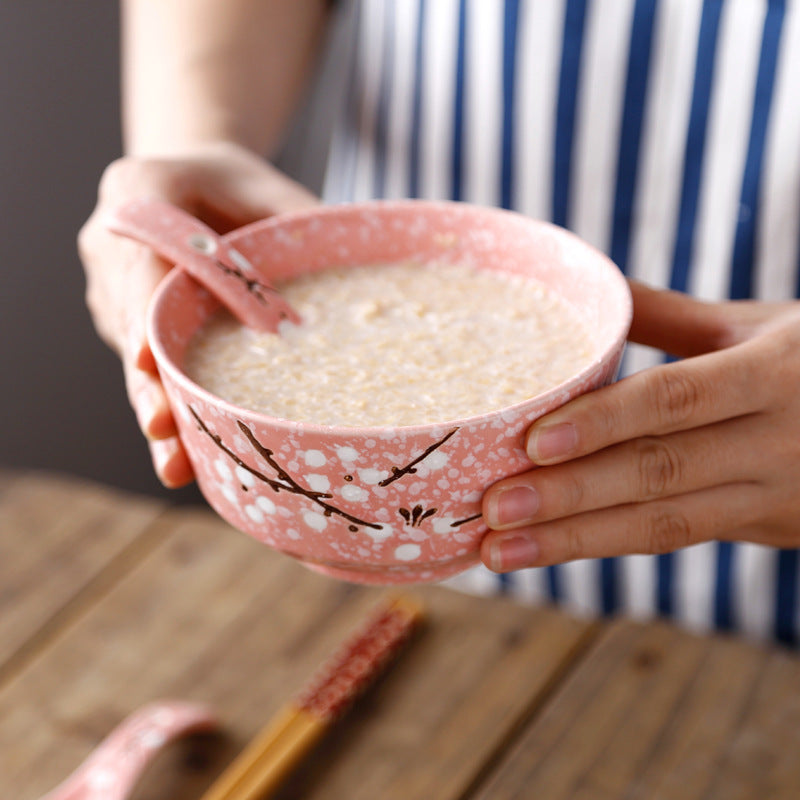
x,y
318,489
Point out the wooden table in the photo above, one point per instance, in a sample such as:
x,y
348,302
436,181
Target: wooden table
x,y
109,601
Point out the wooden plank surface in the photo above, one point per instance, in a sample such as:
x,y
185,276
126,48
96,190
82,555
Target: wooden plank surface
x,y
653,712
761,760
109,602
484,669
60,541
208,614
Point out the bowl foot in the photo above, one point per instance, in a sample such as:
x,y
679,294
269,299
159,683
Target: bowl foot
x,y
394,576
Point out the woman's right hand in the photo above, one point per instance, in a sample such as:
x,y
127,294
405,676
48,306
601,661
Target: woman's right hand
x,y
224,185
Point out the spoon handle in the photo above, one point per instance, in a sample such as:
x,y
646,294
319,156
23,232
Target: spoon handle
x,y
184,240
113,768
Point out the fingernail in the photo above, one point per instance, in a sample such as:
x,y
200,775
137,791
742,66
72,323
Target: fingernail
x,y
138,349
552,441
162,452
145,360
512,505
170,462
136,341
512,552
145,408
153,417
152,412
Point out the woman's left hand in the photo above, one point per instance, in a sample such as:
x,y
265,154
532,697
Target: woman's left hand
x,y
700,449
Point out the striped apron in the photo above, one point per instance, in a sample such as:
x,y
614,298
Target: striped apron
x,y
664,132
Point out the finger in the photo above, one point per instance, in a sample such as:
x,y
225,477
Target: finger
x,y
635,471
676,323
271,192
685,326
661,526
171,464
144,270
149,402
665,399
245,190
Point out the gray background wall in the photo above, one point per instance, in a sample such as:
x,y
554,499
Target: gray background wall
x,y
62,404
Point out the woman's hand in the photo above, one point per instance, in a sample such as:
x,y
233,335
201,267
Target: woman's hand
x,y
224,185
701,449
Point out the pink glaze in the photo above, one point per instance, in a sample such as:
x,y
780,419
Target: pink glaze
x,y
404,503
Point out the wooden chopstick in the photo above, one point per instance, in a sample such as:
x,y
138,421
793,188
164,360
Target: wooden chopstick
x,y
270,757
264,764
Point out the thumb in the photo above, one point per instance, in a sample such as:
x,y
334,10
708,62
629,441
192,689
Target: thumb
x,y
674,322
241,188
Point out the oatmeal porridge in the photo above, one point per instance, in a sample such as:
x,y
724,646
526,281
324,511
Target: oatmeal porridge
x,y
401,344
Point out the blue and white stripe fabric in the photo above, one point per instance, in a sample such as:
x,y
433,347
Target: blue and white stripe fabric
x,y
664,132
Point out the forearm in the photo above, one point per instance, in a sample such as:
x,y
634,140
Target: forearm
x,y
200,71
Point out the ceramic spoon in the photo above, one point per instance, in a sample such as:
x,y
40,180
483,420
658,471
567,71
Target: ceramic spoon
x,y
179,237
113,768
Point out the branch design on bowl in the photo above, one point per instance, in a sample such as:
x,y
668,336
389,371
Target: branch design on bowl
x,y
410,468
283,481
459,522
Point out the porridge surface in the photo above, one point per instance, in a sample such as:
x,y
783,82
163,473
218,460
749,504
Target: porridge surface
x,y
401,344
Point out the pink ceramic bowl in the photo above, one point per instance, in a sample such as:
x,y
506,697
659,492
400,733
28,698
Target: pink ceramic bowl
x,y
403,504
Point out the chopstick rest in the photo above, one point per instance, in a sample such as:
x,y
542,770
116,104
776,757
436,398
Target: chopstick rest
x,y
262,766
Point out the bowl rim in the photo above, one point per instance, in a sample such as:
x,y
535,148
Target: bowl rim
x,y
618,284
